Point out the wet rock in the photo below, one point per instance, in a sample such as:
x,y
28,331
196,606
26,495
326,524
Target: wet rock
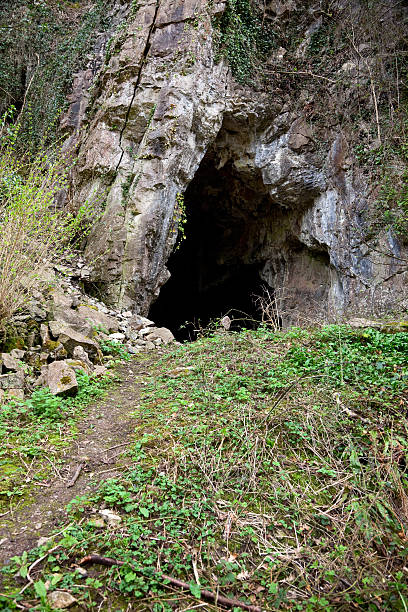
x,y
61,379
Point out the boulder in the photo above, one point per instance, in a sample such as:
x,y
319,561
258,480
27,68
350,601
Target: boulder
x,y
45,333
10,364
100,371
15,394
79,366
57,352
73,319
98,319
56,328
14,380
61,379
161,333
118,337
70,338
60,309
137,322
82,355
18,354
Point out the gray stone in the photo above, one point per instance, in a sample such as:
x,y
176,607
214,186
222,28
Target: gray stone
x,y
18,354
14,380
61,379
71,338
99,371
56,328
118,337
98,319
80,353
15,394
162,333
59,600
10,364
45,333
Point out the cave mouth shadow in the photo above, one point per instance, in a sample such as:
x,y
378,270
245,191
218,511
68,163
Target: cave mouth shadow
x,y
214,271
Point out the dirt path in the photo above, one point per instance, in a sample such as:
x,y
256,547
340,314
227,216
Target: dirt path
x,y
100,448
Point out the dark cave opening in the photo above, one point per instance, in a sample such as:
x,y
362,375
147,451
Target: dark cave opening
x,y
215,271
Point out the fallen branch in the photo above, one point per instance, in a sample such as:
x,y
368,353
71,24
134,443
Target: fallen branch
x,y
227,602
75,476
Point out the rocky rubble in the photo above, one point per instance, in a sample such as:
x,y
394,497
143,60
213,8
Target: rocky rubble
x,y
63,331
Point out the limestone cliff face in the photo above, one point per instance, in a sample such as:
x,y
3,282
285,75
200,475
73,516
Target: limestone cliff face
x,y
163,112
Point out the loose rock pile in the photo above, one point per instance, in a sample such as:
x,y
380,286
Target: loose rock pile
x,y
63,331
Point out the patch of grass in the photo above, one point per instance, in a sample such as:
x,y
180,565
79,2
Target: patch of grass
x,y
272,466
35,428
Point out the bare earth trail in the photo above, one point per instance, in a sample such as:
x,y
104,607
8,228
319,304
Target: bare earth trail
x,y
99,450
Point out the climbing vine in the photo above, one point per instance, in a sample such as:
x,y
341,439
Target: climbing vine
x,y
243,37
43,43
180,217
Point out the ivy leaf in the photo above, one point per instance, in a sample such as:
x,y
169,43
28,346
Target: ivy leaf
x,y
195,590
144,511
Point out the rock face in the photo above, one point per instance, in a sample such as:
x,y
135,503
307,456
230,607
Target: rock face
x,y
167,118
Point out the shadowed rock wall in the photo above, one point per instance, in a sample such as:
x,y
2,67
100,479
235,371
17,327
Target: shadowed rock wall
x,y
159,107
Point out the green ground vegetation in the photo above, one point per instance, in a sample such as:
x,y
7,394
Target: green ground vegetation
x,y
267,466
36,428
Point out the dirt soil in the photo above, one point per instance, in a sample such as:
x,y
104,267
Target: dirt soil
x,y
100,449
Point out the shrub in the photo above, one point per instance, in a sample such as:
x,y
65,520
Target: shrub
x,y
32,226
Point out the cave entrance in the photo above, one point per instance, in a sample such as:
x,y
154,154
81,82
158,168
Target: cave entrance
x,y
216,270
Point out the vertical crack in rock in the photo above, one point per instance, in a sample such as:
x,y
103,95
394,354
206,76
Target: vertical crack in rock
x,y
139,76
308,241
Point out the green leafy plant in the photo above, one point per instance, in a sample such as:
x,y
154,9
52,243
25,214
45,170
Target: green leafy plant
x,y
114,347
243,38
33,229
